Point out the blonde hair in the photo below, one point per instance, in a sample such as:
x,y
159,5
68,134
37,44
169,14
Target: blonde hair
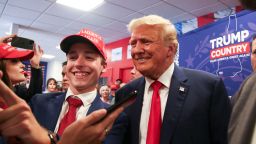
x,y
167,28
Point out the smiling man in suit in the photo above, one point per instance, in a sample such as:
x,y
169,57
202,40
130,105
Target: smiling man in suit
x,y
174,105
86,60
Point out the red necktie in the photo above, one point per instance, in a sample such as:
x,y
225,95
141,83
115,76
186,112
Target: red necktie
x,y
70,117
155,120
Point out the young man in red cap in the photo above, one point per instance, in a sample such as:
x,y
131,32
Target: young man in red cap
x,y
57,111
86,60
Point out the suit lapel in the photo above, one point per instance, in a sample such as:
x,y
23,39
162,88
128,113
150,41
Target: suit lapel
x,y
176,98
96,104
54,107
136,112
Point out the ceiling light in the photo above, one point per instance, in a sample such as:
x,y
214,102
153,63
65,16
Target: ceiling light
x,y
47,56
85,5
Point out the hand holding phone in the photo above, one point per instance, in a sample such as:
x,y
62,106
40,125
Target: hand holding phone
x,y
126,101
22,42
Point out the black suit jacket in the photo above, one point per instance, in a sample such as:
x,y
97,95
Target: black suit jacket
x,y
197,115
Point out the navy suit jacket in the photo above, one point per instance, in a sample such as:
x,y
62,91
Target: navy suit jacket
x,y
47,108
197,115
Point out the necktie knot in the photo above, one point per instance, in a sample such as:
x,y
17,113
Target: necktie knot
x,y
156,85
76,102
70,116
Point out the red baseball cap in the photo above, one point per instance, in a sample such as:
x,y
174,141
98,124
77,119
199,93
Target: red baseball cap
x,y
9,52
85,35
114,87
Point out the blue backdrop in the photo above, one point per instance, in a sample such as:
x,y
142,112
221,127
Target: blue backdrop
x,y
221,48
43,67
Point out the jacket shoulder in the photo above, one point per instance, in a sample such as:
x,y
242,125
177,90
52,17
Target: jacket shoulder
x,y
200,75
47,96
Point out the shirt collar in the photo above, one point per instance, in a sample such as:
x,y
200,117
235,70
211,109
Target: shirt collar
x,y
165,78
87,98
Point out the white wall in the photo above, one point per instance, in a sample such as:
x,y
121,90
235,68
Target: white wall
x,y
54,69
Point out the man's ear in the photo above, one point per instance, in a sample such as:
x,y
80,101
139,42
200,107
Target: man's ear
x,y
104,68
172,49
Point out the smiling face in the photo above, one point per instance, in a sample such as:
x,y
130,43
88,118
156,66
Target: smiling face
x,y
104,92
52,86
84,67
65,83
150,53
15,70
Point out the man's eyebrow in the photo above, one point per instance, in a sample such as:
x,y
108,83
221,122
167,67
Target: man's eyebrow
x,y
70,52
90,52
130,41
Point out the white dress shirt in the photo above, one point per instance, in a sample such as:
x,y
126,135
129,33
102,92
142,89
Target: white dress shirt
x,y
165,79
86,98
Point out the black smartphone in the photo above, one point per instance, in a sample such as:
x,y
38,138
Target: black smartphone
x,y
126,101
22,42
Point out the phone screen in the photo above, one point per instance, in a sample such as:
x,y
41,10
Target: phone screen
x,y
21,42
126,101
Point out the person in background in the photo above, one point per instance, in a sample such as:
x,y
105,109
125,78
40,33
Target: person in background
x,y
51,85
11,66
64,82
174,105
113,89
242,125
118,82
105,92
135,74
12,72
36,78
27,81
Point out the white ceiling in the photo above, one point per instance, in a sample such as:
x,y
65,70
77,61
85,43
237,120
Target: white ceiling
x,y
47,22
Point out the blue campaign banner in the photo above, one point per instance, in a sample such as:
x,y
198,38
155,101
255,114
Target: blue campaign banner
x,y
222,48
43,66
